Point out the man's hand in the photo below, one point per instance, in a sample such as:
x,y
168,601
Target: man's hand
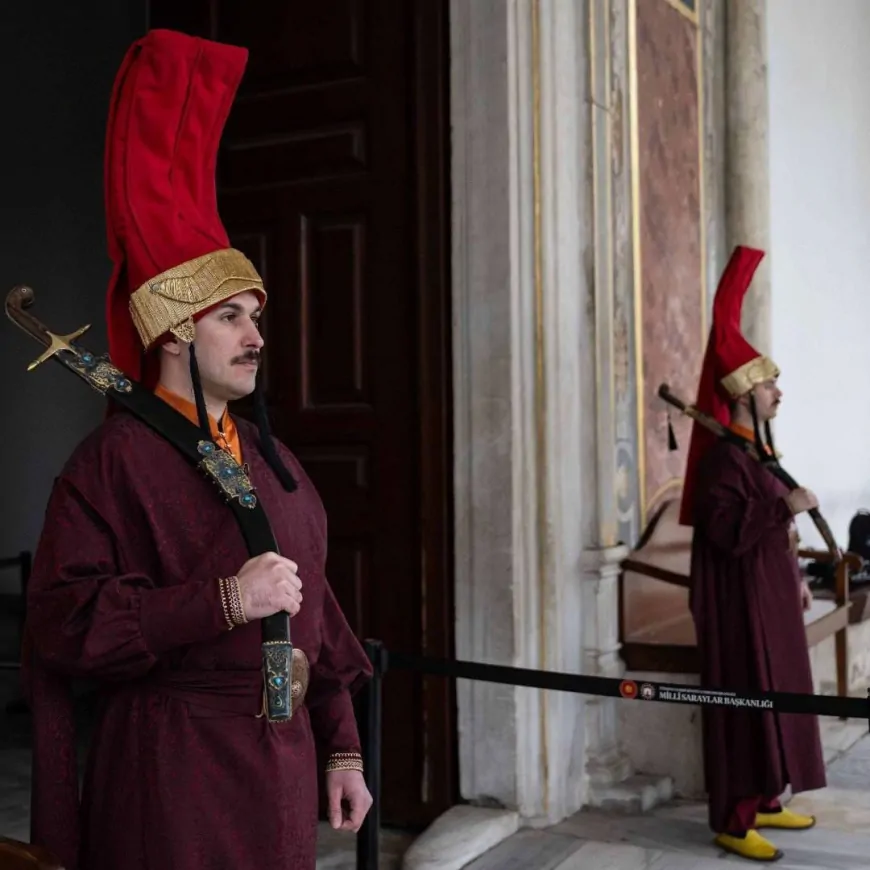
x,y
347,786
801,499
806,595
268,584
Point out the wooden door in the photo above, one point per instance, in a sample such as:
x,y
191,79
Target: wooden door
x,y
332,178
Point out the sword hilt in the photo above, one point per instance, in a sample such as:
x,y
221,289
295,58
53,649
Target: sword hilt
x,y
18,300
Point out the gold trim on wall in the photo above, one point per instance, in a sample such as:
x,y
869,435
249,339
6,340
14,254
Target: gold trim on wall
x,y
673,483
684,11
601,113
609,532
702,172
637,256
540,386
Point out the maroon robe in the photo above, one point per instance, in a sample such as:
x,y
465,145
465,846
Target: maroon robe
x,y
746,603
180,774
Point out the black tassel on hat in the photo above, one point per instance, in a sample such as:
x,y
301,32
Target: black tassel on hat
x,y
759,442
672,438
768,431
198,398
267,443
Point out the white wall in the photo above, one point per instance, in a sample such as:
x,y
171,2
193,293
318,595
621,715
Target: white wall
x,y
819,69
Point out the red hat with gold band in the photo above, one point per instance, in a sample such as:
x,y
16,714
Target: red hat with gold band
x,y
172,256
732,366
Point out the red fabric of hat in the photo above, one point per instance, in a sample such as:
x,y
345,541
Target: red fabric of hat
x,y
169,106
727,352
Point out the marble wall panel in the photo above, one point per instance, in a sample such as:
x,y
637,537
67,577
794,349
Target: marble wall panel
x,y
671,303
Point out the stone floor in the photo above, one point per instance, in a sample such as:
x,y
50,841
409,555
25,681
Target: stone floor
x,y
676,836
337,851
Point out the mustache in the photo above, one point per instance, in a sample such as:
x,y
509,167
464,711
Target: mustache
x,y
248,356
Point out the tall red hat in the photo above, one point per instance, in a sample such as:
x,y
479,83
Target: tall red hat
x,y
172,256
732,366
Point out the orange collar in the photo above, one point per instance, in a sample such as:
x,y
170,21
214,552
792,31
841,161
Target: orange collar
x,y
743,432
226,435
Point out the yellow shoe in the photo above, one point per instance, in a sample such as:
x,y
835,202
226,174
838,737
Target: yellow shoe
x,y
753,846
784,819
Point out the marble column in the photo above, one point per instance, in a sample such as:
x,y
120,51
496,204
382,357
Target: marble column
x,y
606,763
524,398
747,174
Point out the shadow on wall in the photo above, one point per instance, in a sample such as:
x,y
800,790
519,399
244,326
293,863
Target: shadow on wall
x,y
56,72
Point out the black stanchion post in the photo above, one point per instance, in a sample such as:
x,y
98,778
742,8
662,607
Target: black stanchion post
x,y
26,567
368,846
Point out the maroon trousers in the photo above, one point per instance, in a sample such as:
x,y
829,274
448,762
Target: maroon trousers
x,y
742,816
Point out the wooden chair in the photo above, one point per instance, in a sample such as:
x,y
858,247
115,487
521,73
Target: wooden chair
x,y
15,855
845,600
657,632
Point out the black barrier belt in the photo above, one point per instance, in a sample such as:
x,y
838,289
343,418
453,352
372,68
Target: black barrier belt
x,y
781,702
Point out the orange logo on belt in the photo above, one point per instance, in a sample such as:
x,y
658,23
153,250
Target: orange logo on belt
x,y
628,689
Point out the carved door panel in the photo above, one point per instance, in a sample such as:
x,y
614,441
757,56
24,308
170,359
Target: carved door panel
x,y
332,178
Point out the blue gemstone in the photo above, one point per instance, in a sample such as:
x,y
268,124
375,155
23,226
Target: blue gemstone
x,y
87,359
247,499
227,472
122,384
207,448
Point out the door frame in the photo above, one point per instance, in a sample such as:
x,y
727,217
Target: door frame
x,y
433,263
432,209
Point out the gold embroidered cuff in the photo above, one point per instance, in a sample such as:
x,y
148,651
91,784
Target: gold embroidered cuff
x,y
231,602
344,761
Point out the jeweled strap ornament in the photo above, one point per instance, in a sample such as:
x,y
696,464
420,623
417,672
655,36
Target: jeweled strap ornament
x,y
217,464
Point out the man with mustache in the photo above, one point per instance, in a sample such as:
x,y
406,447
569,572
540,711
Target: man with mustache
x,y
746,594
143,581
